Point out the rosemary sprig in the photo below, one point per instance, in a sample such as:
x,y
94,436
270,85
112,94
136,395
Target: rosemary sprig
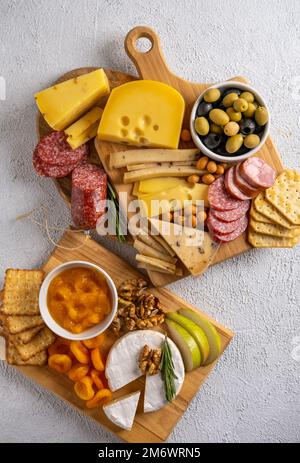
x,y
112,197
167,371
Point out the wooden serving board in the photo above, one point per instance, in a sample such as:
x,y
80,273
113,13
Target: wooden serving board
x,y
148,427
152,65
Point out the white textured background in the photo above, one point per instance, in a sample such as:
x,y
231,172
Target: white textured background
x,y
253,393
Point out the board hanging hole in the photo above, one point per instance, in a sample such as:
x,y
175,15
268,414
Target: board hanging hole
x,y
156,127
143,44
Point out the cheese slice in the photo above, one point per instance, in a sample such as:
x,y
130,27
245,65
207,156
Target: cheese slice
x,y
194,247
85,128
143,113
122,411
154,185
63,103
160,202
122,366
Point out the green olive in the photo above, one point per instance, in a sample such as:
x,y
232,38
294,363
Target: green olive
x,y
250,111
240,105
249,97
231,128
235,116
234,143
229,99
218,116
212,95
251,141
201,125
214,128
261,115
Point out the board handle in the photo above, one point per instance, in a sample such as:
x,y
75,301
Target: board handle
x,y
149,64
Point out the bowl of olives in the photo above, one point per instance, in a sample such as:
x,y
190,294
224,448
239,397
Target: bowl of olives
x,y
229,121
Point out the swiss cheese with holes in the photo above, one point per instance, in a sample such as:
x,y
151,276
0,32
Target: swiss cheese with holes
x,y
143,113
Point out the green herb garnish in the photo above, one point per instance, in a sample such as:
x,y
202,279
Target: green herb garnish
x,y
167,371
119,226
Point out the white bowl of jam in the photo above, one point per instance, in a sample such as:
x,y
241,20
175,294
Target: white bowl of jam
x,y
78,300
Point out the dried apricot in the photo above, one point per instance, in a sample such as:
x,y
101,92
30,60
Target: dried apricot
x,y
60,346
102,396
95,375
60,362
97,359
94,342
84,388
78,372
80,352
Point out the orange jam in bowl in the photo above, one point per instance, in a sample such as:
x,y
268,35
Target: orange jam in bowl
x,y
79,298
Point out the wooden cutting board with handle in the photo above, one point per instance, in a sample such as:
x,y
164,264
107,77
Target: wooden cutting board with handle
x,y
152,65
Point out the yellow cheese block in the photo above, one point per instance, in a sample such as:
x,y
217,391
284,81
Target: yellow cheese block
x,y
159,184
84,129
143,113
172,199
63,103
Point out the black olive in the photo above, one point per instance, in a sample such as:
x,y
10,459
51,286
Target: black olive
x,y
247,126
258,129
231,90
212,140
203,109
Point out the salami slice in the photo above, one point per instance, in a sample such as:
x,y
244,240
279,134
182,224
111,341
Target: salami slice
x,y
230,236
219,198
54,171
258,173
223,228
54,149
89,185
231,186
234,214
244,186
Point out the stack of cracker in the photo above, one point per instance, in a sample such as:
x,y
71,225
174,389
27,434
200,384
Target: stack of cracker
x,y
27,337
275,214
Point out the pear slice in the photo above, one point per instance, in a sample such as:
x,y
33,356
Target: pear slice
x,y
213,336
187,345
195,330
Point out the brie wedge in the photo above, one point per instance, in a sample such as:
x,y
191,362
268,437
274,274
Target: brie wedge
x,y
122,411
122,366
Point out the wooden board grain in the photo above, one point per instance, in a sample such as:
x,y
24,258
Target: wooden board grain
x,y
152,65
148,427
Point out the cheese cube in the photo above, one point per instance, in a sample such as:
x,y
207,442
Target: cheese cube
x,y
84,129
63,103
143,113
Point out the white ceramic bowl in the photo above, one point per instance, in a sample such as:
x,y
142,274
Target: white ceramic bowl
x,y
218,157
54,326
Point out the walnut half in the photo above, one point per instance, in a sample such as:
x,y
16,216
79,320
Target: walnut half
x,y
149,360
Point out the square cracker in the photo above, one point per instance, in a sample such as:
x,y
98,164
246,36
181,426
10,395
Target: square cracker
x,y
273,229
259,240
257,216
267,209
26,336
14,358
40,342
21,292
15,324
285,195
